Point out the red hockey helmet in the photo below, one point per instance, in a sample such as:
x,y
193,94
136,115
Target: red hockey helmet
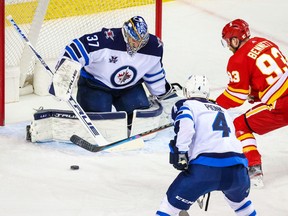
x,y
237,28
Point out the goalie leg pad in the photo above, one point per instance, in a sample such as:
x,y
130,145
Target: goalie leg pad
x,y
60,125
145,119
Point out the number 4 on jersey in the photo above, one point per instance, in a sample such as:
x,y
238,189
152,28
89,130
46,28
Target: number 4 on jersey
x,y
220,124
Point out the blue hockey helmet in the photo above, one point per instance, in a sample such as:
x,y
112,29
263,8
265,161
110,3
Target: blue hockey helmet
x,y
135,33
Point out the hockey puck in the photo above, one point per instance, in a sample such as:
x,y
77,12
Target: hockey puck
x,y
74,167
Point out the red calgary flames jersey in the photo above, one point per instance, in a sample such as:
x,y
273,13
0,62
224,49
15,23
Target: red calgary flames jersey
x,y
259,69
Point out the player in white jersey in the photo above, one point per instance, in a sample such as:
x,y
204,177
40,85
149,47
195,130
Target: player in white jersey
x,y
207,151
115,62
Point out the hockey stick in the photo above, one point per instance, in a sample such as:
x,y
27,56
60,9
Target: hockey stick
x,y
200,201
77,109
96,148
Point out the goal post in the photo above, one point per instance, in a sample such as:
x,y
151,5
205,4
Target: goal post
x,y
2,64
50,25
158,18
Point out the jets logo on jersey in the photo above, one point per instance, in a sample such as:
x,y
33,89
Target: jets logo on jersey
x,y
123,76
113,59
109,34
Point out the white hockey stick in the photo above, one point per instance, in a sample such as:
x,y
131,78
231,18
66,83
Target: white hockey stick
x,y
77,109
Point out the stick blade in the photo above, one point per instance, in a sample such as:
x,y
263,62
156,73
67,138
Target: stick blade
x,y
84,144
133,144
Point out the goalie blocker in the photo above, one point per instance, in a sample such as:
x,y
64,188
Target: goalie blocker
x,y
64,79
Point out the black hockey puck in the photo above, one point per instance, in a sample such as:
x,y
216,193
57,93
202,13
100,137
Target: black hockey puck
x,y
74,167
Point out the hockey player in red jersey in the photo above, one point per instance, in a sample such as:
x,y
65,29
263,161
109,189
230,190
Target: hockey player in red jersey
x,y
257,72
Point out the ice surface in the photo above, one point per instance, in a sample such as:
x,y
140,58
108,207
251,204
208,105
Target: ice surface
x,y
36,179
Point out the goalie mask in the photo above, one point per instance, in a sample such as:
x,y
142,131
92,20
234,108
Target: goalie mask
x,y
197,86
135,33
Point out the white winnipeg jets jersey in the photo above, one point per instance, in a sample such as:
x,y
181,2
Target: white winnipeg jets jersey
x,y
206,131
105,60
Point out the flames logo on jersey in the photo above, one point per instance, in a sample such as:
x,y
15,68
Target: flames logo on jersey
x,y
123,76
109,34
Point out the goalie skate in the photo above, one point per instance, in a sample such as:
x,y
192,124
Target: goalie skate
x,y
256,176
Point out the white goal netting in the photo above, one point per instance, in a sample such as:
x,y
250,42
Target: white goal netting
x,y
51,24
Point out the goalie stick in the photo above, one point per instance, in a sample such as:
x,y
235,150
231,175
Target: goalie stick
x,y
77,109
96,148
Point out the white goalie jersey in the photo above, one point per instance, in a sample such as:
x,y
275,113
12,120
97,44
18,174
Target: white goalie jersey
x,y
104,59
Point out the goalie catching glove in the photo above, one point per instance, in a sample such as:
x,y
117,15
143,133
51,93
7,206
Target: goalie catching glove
x,y
178,159
64,79
170,92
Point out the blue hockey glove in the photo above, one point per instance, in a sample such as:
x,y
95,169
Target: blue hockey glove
x,y
178,159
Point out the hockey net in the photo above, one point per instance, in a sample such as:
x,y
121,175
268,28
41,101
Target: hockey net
x,y
51,24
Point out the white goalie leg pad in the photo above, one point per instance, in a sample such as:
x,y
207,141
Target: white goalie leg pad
x,y
167,108
147,119
60,125
65,77
41,130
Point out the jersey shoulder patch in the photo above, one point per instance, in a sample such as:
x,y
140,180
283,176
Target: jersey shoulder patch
x,y
153,47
